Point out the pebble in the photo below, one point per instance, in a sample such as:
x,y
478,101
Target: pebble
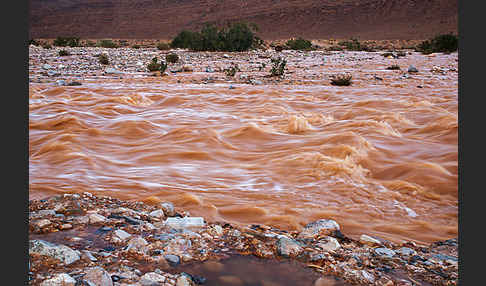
x,y
412,69
61,279
60,252
173,260
112,71
383,251
98,276
319,227
365,239
152,278
287,247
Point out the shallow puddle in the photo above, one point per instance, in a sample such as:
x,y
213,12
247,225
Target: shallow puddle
x,y
252,271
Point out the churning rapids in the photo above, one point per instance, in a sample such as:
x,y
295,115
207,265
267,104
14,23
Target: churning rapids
x,y
380,156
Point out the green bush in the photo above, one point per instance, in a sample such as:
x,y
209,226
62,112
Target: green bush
x,y
163,46
153,65
234,38
63,53
355,45
341,79
445,43
299,44
66,41
171,58
231,71
103,59
106,44
278,66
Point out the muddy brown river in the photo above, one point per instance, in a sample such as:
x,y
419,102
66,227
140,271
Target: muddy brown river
x,y
380,156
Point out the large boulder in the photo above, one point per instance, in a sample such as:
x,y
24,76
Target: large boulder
x,y
59,252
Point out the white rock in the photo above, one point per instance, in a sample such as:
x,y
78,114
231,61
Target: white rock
x,y
151,278
365,239
329,244
157,214
96,218
186,222
60,252
62,279
98,276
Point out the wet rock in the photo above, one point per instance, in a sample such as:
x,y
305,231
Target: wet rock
x,y
384,252
412,69
317,228
137,244
120,235
152,279
158,214
168,208
184,280
287,247
406,251
96,218
173,260
365,239
42,223
60,252
62,279
185,222
226,56
329,244
98,276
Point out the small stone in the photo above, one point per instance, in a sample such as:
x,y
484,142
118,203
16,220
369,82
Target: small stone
x,y
185,222
159,214
62,279
96,218
42,223
87,254
66,226
168,208
365,239
187,68
317,228
406,251
412,69
98,276
209,69
173,260
46,212
112,71
60,252
61,82
287,247
46,66
151,279
216,230
383,251
183,280
329,244
226,56
137,244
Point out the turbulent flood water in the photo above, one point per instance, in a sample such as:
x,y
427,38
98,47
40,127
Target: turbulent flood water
x,y
379,157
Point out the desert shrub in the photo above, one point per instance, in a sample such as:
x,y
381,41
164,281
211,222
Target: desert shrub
x,y
279,48
163,46
47,46
106,44
445,43
234,38
393,67
154,65
299,44
172,58
103,59
63,53
278,66
341,79
66,41
231,71
335,48
89,43
355,45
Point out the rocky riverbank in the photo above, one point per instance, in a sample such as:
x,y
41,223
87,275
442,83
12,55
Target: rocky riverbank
x,y
83,239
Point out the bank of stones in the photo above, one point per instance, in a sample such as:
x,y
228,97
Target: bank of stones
x,y
130,242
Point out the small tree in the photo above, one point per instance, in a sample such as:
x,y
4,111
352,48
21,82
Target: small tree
x,y
278,66
445,43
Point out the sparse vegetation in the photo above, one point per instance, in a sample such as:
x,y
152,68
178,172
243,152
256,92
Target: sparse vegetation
x,y
393,67
445,43
63,53
66,42
88,43
136,47
172,58
106,44
163,46
355,45
103,59
299,44
153,65
278,66
237,37
47,46
341,79
279,48
231,71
